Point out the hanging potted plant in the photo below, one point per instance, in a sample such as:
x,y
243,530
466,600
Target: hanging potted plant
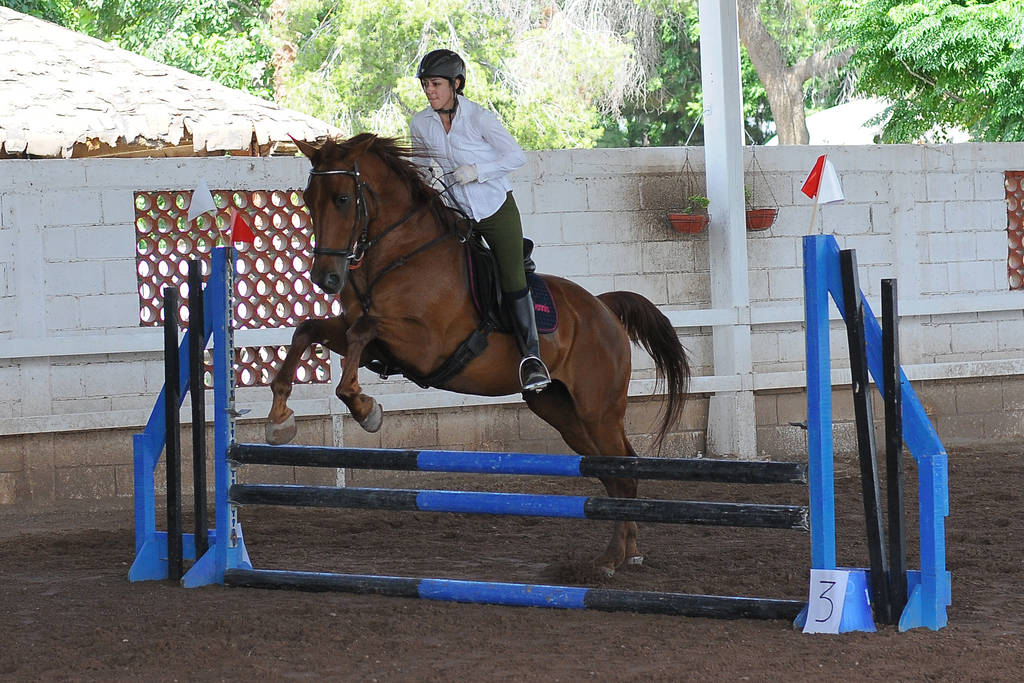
x,y
764,217
759,219
692,217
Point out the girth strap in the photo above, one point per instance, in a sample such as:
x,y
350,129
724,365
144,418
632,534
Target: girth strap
x,y
471,347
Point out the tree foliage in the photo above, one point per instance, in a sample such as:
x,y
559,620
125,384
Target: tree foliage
x,y
579,73
669,112
355,63
945,63
56,11
223,40
785,68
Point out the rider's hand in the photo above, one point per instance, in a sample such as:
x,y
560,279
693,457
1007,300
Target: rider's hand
x,y
432,174
465,174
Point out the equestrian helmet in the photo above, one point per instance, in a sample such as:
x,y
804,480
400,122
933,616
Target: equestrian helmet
x,y
443,64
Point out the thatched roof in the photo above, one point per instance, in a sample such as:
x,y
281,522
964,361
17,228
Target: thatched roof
x,y
64,94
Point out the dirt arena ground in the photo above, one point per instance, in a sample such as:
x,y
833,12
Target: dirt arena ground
x,y
67,611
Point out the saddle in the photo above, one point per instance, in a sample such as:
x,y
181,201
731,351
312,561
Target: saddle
x,y
482,272
487,295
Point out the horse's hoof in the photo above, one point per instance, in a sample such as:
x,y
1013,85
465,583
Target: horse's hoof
x,y
635,560
607,572
373,421
278,434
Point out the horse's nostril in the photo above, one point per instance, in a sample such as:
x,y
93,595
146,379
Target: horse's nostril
x,y
331,283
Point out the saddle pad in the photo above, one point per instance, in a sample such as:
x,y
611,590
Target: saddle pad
x,y
543,304
484,286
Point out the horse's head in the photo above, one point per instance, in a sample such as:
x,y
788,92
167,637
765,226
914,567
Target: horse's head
x,y
360,190
337,196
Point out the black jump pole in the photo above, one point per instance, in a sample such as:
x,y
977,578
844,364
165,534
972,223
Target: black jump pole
x,y
172,459
477,502
197,391
865,434
677,469
894,449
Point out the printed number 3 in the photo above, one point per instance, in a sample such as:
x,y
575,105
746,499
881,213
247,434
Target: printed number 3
x,y
824,596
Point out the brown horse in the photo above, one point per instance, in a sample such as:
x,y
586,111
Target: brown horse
x,y
390,247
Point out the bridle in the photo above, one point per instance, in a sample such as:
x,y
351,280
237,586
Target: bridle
x,y
357,245
359,238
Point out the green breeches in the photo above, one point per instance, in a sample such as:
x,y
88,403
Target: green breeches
x,y
503,231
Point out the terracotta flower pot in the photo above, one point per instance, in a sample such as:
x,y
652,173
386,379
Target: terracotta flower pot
x,y
761,219
688,223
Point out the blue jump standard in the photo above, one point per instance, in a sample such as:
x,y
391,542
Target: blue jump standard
x,y
529,505
477,462
519,594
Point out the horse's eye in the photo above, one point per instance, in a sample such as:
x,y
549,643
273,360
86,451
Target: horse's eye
x,y
341,199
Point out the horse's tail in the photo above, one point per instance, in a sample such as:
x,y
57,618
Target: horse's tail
x,y
651,329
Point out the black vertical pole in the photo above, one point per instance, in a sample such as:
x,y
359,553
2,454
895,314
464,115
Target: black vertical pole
x,y
865,433
172,460
197,391
894,449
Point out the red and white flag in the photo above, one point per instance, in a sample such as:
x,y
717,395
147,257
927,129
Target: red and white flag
x,y
240,230
823,182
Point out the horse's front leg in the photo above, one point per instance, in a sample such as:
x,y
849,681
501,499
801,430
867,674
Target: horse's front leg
x,y
280,426
364,409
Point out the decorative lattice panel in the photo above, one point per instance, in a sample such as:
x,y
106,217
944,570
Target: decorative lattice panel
x,y
1015,228
272,286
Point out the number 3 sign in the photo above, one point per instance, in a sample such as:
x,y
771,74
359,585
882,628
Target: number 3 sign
x,y
838,602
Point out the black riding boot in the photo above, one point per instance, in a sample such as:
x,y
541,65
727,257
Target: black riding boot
x,y
533,375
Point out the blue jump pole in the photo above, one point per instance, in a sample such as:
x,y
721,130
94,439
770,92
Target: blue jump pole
x,y
524,595
528,505
819,404
489,462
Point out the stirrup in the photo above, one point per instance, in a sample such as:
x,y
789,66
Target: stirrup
x,y
538,380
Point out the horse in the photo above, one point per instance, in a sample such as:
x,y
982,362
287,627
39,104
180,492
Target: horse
x,y
390,247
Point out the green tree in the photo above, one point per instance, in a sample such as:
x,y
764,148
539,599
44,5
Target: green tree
x,y
784,72
788,53
668,110
943,63
354,64
57,11
223,40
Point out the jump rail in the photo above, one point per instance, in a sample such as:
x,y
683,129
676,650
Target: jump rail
x,y
527,595
526,505
482,462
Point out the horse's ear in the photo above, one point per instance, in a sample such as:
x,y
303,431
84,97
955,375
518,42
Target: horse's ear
x,y
306,148
364,145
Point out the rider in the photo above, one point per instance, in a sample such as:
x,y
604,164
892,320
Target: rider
x,y
472,147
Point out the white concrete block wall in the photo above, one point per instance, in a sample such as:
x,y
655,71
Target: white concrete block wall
x,y
931,216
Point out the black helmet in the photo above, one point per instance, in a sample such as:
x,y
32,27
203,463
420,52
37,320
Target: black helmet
x,y
443,64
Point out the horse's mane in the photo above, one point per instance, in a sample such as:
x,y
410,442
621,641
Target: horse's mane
x,y
398,157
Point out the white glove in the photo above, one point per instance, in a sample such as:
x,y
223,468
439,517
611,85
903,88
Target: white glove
x,y
428,173
432,175
465,174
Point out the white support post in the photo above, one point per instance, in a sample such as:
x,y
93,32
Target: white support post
x,y
731,422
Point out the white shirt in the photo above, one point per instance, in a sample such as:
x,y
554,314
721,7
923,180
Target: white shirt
x,y
476,137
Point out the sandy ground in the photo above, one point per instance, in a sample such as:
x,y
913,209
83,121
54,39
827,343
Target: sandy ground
x,y
68,612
